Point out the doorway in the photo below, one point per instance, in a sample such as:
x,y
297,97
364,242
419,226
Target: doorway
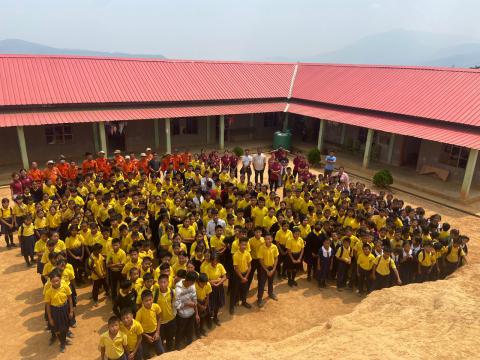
x,y
410,151
116,134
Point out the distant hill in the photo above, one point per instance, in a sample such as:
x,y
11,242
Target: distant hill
x,y
406,47
16,46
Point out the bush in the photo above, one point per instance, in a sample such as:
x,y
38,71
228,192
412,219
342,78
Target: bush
x,y
383,178
314,156
238,151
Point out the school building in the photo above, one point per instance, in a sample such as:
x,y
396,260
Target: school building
x,y
423,119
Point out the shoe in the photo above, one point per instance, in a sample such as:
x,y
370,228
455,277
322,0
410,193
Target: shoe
x,y
95,303
9,246
290,283
203,333
74,325
339,289
28,264
246,305
216,321
294,283
309,278
68,342
70,335
232,311
14,245
62,348
52,340
273,297
260,303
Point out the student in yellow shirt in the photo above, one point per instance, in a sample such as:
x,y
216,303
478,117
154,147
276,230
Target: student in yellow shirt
x,y
59,306
382,268
295,247
149,317
255,242
98,272
454,256
281,238
426,262
166,298
365,261
116,260
203,290
216,276
26,237
75,252
7,222
268,258
113,342
134,331
343,257
242,266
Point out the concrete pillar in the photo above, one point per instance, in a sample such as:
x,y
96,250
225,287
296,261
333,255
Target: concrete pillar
x,y
469,172
285,122
209,130
103,138
95,137
251,125
23,146
168,145
391,143
342,136
222,132
156,135
321,134
368,149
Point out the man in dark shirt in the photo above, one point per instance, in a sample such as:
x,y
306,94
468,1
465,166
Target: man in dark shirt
x,y
154,164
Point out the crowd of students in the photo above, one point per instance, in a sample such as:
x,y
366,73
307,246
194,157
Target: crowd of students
x,y
163,237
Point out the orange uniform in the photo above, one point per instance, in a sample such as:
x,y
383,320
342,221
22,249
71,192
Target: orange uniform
x,y
51,173
35,174
88,166
143,165
103,165
186,157
72,173
63,169
119,160
129,167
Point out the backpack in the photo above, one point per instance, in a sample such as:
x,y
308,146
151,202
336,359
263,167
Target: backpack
x,y
450,248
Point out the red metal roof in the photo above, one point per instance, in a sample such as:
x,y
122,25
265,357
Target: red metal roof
x,y
435,131
125,114
47,80
434,93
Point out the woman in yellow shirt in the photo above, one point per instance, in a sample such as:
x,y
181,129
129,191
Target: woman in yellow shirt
x,y
216,276
26,236
295,247
75,252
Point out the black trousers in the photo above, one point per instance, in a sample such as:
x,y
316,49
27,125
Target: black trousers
x,y
115,277
238,291
262,280
342,274
255,264
364,280
97,284
273,184
185,328
167,334
382,281
247,171
259,176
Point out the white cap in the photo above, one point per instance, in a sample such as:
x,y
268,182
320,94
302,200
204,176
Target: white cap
x,y
148,149
50,162
117,152
143,154
127,157
101,152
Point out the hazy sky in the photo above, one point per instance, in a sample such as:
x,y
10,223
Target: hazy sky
x,y
222,29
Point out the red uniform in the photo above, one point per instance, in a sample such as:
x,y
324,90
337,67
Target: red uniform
x,y
225,160
186,157
233,160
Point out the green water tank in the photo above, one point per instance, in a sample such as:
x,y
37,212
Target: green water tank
x,y
282,139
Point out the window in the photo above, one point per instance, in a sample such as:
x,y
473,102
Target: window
x,y
58,134
185,126
455,156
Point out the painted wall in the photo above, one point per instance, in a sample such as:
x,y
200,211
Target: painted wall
x,y
9,147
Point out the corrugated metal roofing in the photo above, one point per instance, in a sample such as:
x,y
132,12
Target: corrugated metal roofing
x,y
433,93
125,114
49,80
460,135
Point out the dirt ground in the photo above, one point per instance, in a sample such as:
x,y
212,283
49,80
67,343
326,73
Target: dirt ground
x,y
418,321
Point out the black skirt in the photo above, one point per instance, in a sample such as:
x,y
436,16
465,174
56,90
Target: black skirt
x,y
216,299
291,266
27,245
60,317
6,229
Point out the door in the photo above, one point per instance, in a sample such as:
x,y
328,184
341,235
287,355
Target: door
x,y
115,133
410,151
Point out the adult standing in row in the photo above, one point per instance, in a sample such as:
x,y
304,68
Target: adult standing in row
x,y
246,164
259,162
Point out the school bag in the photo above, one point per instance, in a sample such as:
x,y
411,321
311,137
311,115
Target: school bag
x,y
449,250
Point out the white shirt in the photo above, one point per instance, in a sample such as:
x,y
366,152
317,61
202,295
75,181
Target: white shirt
x,y
211,226
246,160
259,161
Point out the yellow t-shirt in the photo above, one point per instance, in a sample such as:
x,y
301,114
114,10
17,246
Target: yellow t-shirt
x,y
426,258
26,230
98,264
365,262
346,254
73,242
114,348
268,222
165,302
254,246
148,318
202,292
384,265
214,272
295,245
242,260
129,265
268,254
58,297
259,214
453,256
282,236
217,243
119,257
186,232
132,334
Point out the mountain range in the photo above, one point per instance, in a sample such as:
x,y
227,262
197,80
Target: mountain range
x,y
394,47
